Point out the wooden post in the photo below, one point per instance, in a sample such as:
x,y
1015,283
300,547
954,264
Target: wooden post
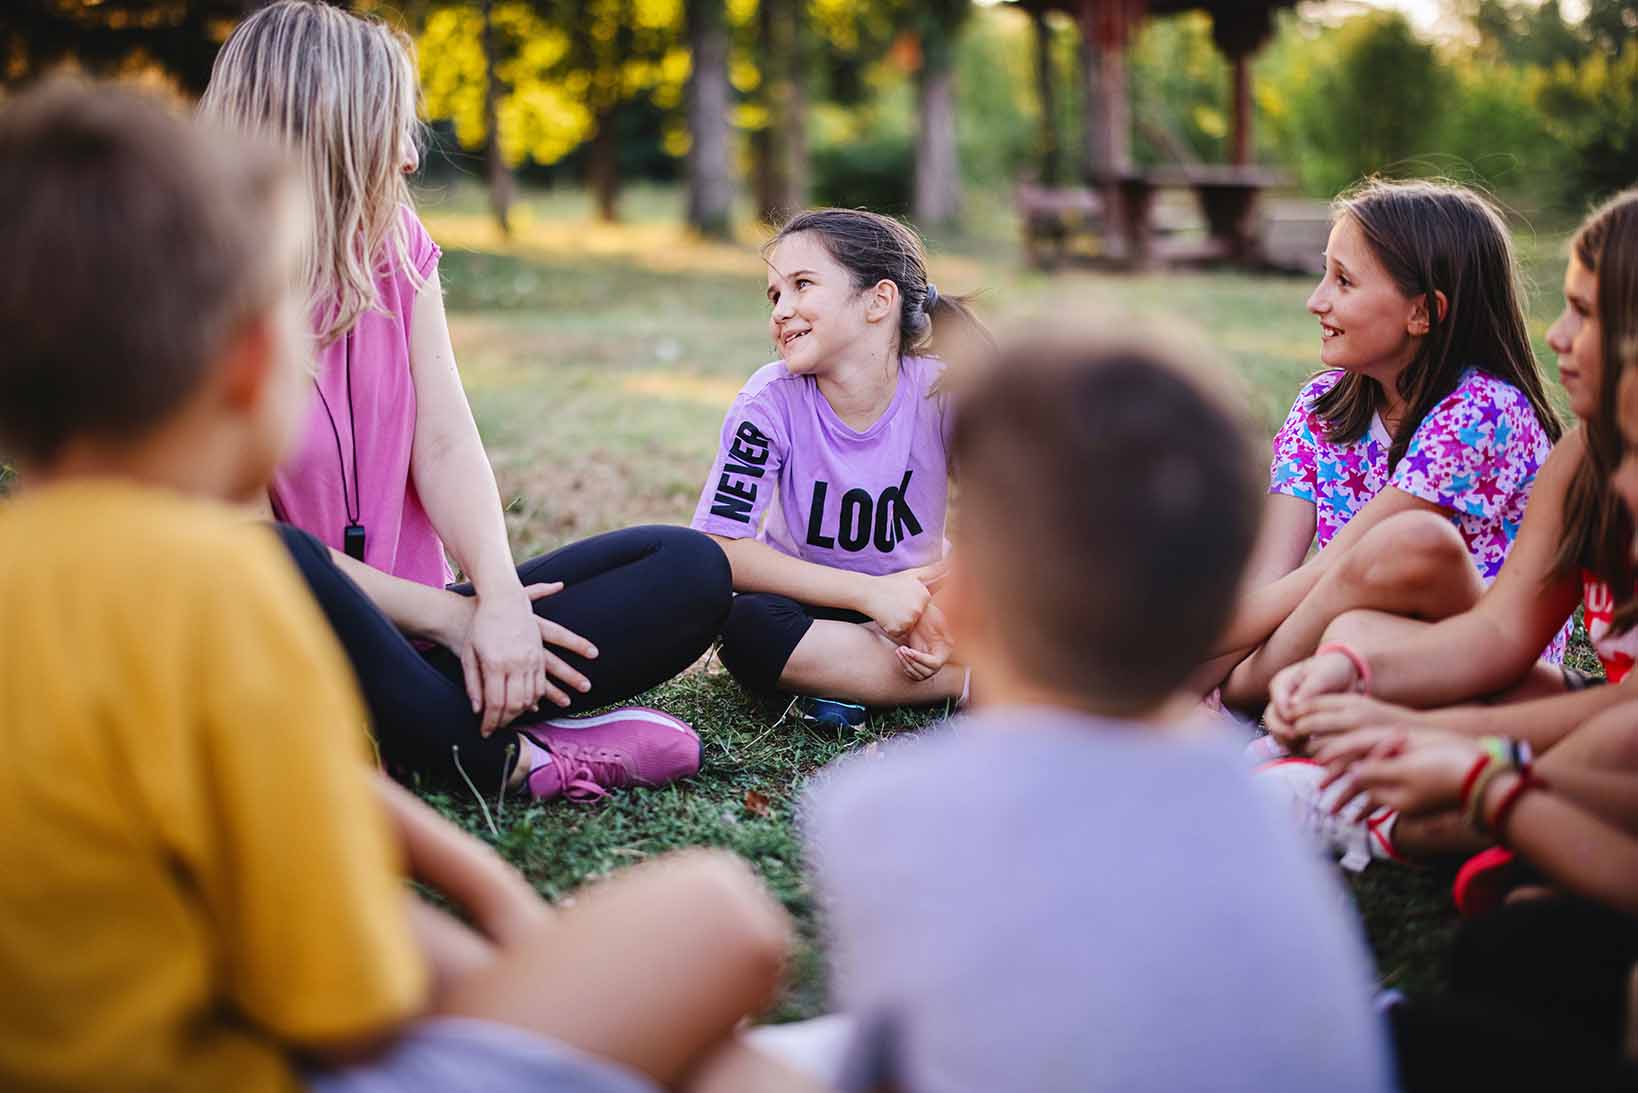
x,y
1241,150
1091,80
1107,27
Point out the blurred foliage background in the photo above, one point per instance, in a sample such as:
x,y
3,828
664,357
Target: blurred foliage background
x,y
780,103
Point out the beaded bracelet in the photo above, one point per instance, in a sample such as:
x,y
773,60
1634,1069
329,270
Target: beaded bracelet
x,y
1362,667
1498,822
1501,749
1472,776
1474,809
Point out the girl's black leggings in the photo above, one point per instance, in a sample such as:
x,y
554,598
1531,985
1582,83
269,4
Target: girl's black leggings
x,y
652,599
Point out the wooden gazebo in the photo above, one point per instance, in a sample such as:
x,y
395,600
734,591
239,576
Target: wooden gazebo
x,y
1227,192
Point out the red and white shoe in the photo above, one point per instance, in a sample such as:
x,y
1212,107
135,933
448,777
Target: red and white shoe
x,y
1353,837
582,758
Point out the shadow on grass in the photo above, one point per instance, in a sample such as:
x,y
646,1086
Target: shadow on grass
x,y
747,799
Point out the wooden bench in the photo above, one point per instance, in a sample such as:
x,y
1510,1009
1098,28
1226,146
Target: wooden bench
x,y
1060,222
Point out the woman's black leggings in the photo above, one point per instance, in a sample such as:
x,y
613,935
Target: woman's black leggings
x,y
652,599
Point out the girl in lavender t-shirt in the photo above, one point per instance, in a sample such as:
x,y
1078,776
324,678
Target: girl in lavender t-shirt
x,y
830,486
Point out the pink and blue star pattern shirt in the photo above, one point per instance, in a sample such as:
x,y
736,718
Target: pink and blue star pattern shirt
x,y
1475,455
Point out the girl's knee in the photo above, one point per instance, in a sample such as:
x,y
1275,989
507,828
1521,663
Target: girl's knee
x,y
752,618
759,636
1350,627
1406,551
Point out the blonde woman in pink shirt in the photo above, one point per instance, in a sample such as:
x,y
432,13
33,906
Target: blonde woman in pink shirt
x,y
391,472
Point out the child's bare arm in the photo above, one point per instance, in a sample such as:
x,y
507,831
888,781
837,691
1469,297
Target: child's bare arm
x,y
1588,855
895,601
416,609
503,906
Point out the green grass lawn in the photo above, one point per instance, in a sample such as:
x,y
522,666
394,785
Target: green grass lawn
x,y
600,360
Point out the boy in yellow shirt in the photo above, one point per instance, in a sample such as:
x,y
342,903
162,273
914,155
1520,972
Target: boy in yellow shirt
x,y
200,877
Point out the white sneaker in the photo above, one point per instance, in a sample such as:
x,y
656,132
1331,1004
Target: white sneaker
x,y
1263,750
1351,836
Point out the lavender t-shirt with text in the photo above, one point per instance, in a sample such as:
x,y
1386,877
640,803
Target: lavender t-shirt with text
x,y
792,474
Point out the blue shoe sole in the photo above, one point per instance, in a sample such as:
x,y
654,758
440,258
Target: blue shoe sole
x,y
829,713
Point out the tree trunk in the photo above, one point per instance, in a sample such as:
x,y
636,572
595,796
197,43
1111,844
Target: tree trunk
x,y
1091,80
780,149
500,175
937,199
603,165
1046,88
710,183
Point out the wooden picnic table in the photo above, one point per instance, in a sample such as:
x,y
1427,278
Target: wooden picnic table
x,y
1228,197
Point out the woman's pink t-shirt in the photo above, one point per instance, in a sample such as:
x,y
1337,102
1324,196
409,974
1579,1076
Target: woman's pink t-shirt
x,y
314,489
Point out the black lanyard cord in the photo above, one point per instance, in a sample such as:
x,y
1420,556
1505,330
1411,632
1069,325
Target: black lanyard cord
x,y
354,507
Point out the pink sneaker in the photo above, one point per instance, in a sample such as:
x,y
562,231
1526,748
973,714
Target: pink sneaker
x,y
582,758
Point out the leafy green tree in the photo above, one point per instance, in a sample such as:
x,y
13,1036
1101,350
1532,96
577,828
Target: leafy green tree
x,y
710,181
1365,98
1609,25
1180,81
568,69
1592,108
1522,33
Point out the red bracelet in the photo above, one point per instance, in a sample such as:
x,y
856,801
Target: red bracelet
x,y
1510,799
1473,773
1362,667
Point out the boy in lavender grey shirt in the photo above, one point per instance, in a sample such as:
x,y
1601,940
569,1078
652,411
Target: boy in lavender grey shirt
x,y
1071,889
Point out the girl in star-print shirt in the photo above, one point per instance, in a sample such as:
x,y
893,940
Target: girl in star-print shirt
x,y
1409,460
1475,456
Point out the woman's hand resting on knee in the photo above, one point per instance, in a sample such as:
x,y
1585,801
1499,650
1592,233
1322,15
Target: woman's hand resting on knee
x,y
508,668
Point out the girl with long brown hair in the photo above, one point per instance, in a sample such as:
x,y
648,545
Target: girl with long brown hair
x,y
1409,460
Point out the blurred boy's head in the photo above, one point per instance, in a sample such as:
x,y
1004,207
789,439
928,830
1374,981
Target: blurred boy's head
x,y
146,299
1109,500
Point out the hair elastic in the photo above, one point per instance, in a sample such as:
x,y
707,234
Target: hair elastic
x,y
1362,667
930,301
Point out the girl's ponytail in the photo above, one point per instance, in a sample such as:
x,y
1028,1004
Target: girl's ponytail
x,y
953,333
